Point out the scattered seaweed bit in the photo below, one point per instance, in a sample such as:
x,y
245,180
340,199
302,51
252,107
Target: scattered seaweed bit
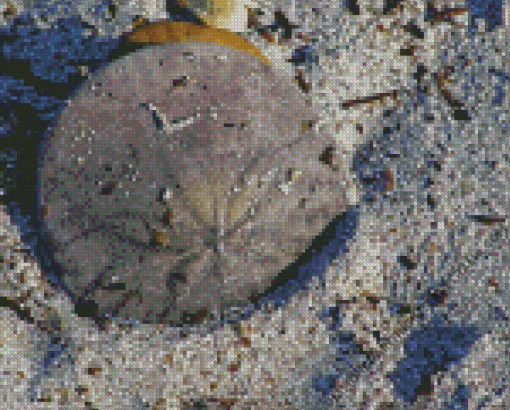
x,y
431,202
179,10
194,318
402,309
413,29
364,100
86,308
24,251
303,85
493,282
380,27
181,82
443,15
281,21
93,371
419,75
437,167
380,181
223,403
302,55
264,31
390,5
426,386
49,326
466,63
327,156
108,189
23,313
436,297
45,399
387,405
407,262
461,115
113,11
388,180
266,34
81,390
408,51
445,93
253,21
487,219
353,7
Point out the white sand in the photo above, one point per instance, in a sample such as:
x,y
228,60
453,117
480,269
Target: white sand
x,y
256,362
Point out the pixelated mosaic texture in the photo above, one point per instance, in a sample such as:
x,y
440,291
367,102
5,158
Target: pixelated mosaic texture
x,y
421,321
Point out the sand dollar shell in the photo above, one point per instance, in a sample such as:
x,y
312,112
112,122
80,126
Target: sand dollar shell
x,y
183,178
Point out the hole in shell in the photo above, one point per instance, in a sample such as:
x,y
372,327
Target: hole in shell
x,y
327,157
108,189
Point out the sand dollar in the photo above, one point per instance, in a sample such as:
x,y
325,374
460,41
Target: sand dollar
x,y
183,178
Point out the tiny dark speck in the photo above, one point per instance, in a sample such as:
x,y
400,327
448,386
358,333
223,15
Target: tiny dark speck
x,y
390,5
407,263
194,318
406,52
302,55
112,8
461,115
425,387
179,82
415,31
403,310
487,219
430,201
436,297
283,22
353,7
115,286
327,156
87,308
108,189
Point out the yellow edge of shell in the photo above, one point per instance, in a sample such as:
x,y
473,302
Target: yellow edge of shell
x,y
164,32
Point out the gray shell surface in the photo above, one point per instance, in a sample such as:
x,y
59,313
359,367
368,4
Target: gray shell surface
x,y
183,178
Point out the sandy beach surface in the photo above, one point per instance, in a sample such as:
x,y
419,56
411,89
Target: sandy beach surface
x,y
413,313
